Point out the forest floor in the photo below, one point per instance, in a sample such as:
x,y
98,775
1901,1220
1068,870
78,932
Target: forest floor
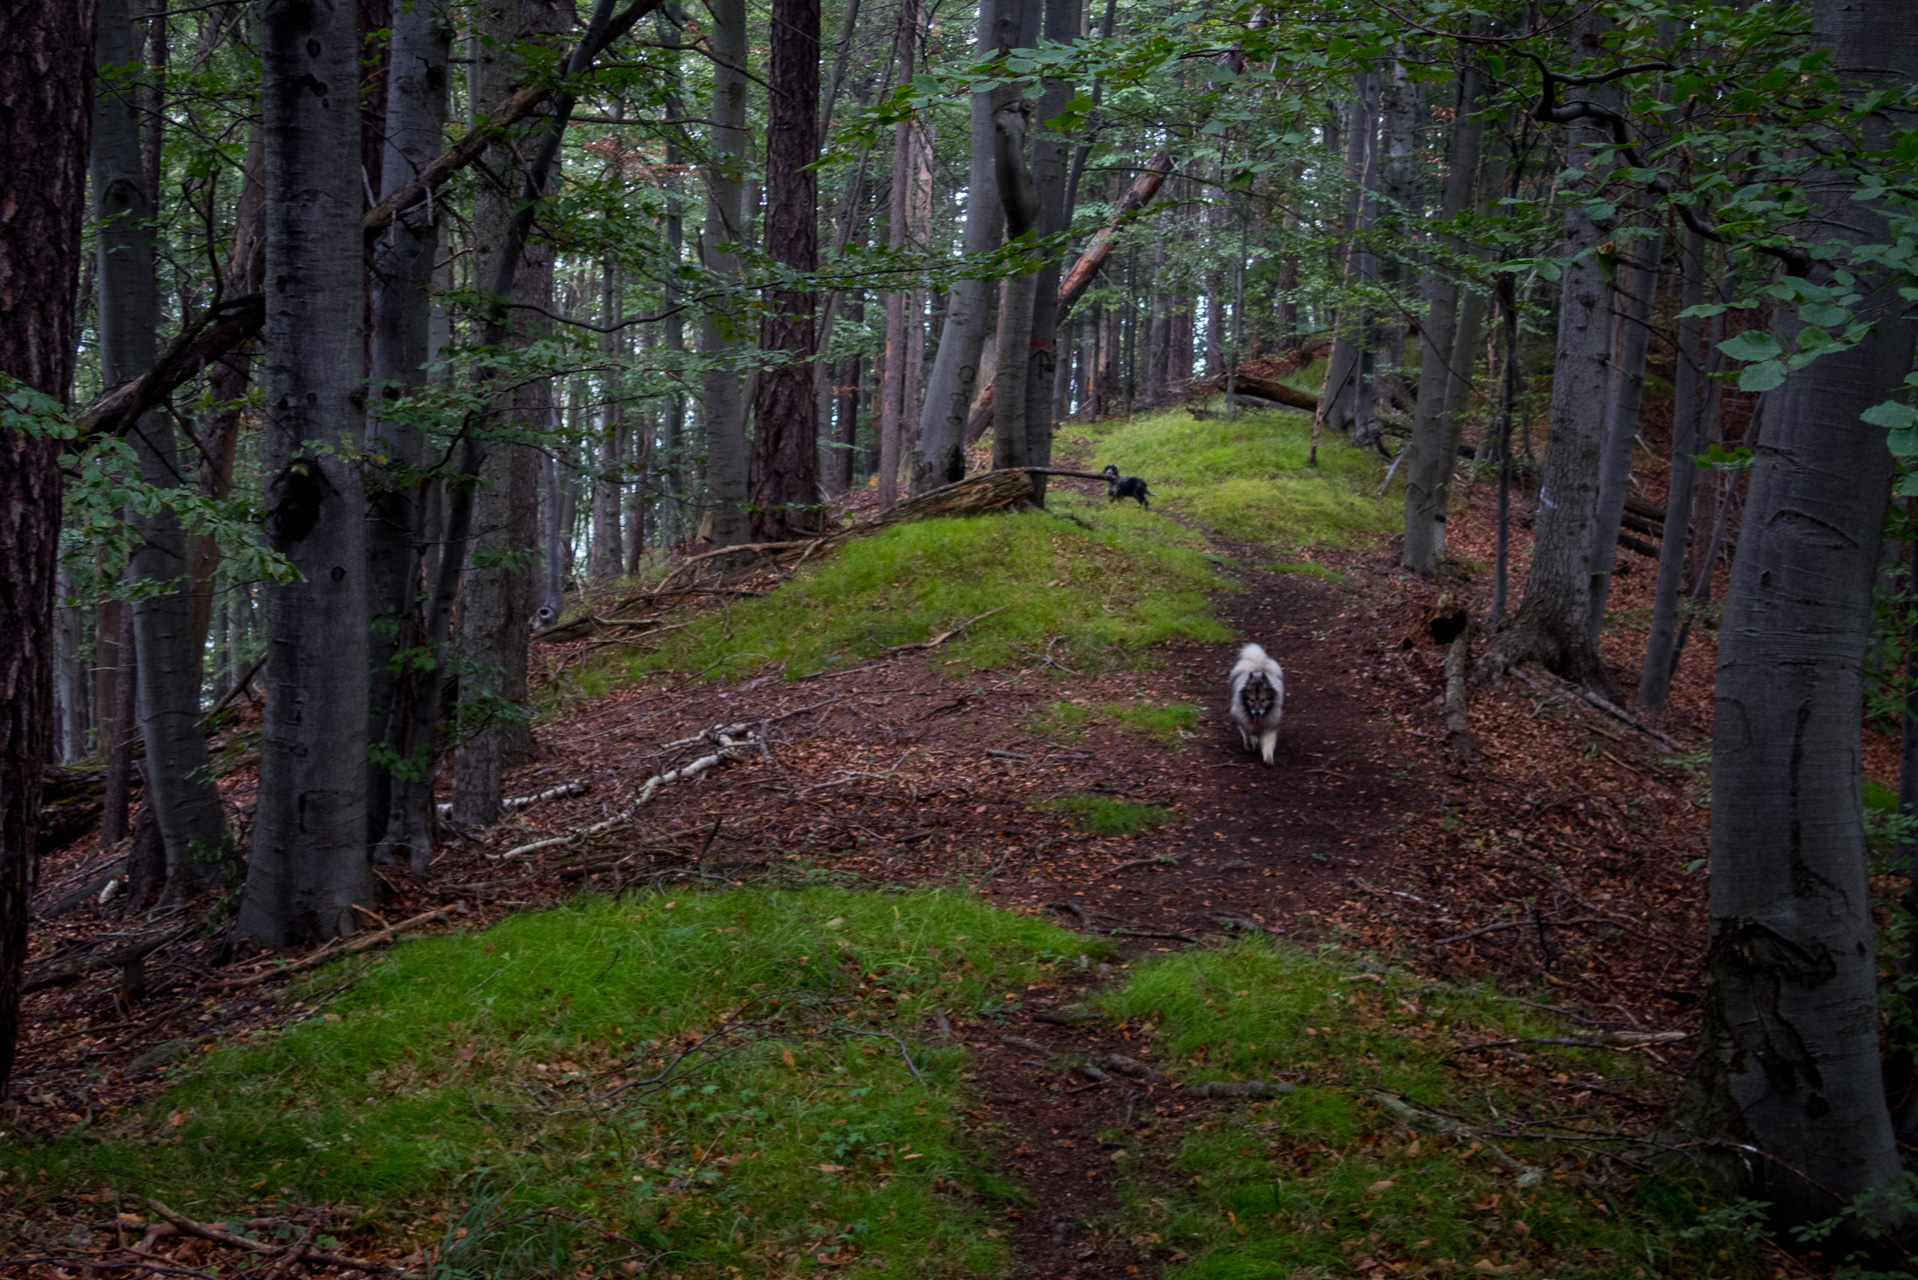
x,y
1564,865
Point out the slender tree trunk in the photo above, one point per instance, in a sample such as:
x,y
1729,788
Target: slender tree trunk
x,y
1655,680
308,868
675,480
1016,27
114,684
1339,400
1049,156
496,602
785,460
46,77
939,455
1621,427
402,306
603,558
180,787
1551,625
726,223
1428,465
892,387
1788,1061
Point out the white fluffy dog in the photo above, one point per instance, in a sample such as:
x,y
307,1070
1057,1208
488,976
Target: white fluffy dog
x,y
1258,699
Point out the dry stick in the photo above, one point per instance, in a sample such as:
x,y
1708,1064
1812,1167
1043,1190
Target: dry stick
x,y
1502,925
942,637
561,792
728,750
363,943
187,1226
1586,695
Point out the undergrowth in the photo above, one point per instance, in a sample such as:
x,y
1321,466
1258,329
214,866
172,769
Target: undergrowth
x,y
1098,597
1247,477
690,1084
1338,1177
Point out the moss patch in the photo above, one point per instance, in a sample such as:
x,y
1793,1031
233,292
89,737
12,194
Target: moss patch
x,y
471,1081
1104,816
1247,477
1110,592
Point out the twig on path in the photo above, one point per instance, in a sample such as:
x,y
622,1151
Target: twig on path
x,y
187,1226
942,637
364,942
1046,659
1503,925
1051,755
729,749
1161,859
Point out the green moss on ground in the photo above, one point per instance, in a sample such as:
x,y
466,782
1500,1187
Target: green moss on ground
x,y
470,1080
1247,477
1104,816
1329,1180
1110,592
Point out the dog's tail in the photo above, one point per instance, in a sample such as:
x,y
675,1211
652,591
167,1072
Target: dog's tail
x,y
1253,653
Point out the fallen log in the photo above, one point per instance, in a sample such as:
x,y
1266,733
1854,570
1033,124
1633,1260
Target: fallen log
x,y
60,972
1254,387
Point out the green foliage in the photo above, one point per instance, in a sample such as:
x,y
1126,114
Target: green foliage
x,y
1104,816
1109,593
1247,477
538,1065
1324,1176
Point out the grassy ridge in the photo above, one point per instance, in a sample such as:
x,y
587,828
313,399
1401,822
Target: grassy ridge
x,y
1247,477
1133,581
468,1080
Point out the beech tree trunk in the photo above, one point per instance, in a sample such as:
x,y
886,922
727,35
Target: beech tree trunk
x,y
308,868
603,557
1655,680
785,461
1788,1060
939,454
1551,625
401,283
726,223
1049,156
1621,422
46,78
1428,464
892,386
179,783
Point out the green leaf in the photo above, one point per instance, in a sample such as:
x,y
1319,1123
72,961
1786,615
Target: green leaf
x,y
1825,316
1762,376
1892,416
1753,344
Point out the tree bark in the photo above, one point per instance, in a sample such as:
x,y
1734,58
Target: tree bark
x,y
1344,374
604,556
726,223
1551,623
892,387
402,307
46,77
1789,1058
785,459
939,455
180,786
308,868
1049,155
117,676
1428,464
1655,680
1621,425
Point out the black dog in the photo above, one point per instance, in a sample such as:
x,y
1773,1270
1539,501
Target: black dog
x,y
1118,486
